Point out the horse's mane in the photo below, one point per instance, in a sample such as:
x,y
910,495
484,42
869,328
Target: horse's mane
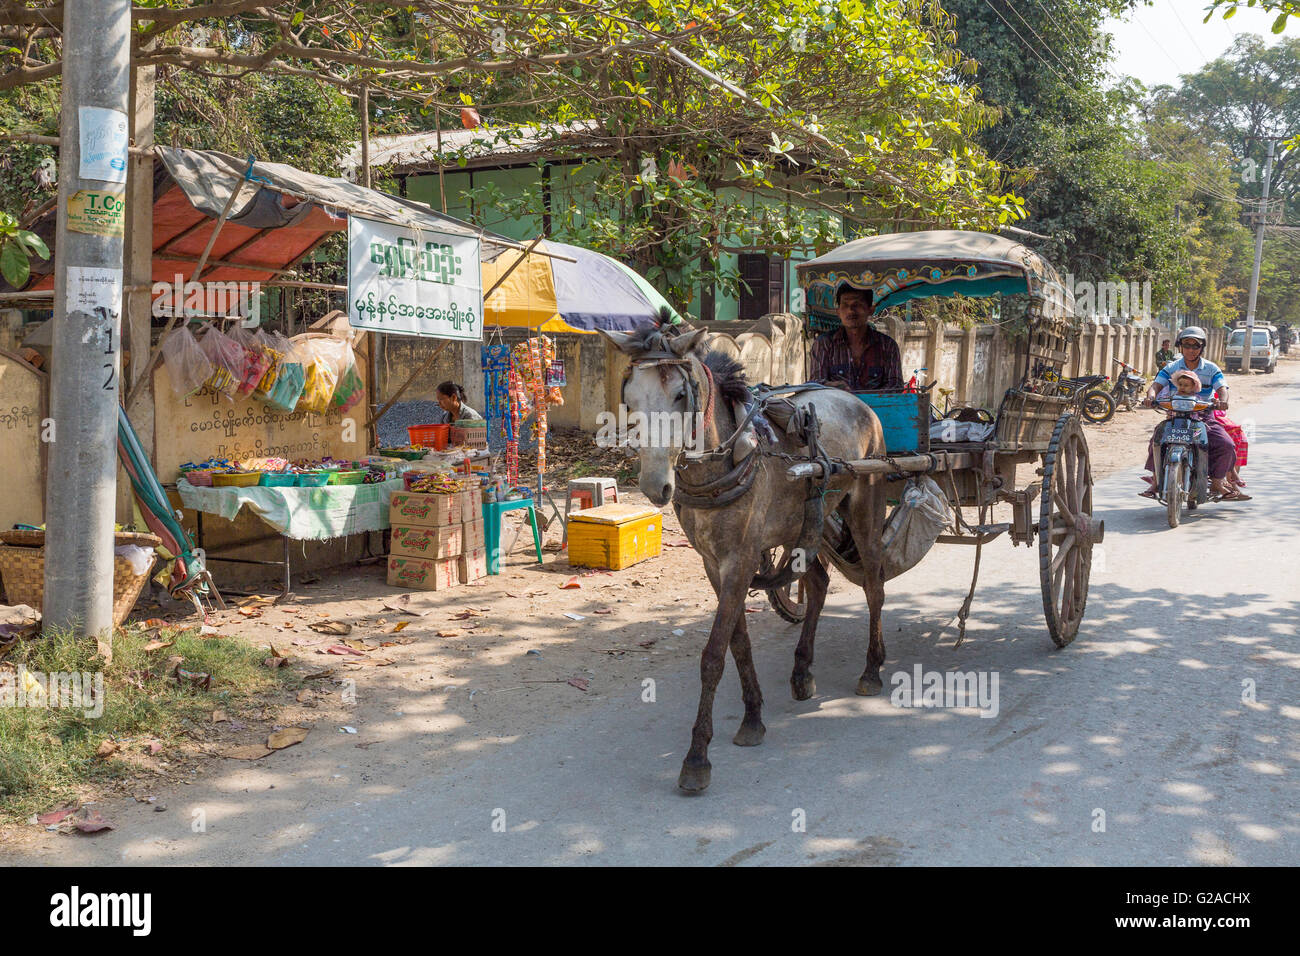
x,y
727,372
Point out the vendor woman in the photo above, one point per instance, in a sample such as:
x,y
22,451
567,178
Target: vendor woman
x,y
451,397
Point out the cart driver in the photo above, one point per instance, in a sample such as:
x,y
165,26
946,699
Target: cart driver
x,y
857,356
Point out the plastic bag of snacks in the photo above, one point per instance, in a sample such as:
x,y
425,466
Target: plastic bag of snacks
x,y
257,360
228,359
319,376
275,346
290,376
187,367
351,389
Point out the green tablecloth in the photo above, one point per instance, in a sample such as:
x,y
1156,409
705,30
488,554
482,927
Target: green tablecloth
x,y
311,514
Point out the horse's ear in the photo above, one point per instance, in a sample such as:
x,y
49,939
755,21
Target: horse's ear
x,y
623,341
683,343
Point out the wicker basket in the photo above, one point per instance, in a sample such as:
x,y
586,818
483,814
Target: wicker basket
x,y
22,570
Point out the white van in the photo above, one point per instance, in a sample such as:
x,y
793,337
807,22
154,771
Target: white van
x,y
1263,349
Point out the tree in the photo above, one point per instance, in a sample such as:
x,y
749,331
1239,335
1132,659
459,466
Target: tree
x,y
846,107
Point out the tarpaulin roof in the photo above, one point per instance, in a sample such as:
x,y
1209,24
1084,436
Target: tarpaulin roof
x,y
279,215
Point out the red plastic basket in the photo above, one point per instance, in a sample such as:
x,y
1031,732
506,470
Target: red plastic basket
x,y
429,436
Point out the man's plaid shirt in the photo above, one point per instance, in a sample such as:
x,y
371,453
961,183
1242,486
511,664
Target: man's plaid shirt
x,y
881,366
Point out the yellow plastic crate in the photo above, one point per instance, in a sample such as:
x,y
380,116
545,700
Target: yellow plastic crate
x,y
614,536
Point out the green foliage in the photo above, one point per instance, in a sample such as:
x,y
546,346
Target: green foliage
x,y
47,754
16,246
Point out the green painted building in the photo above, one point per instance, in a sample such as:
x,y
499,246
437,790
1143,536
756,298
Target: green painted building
x,y
514,160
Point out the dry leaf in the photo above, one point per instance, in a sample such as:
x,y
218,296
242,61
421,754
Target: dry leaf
x,y
274,652
402,603
320,675
254,601
371,661
287,737
274,662
219,716
55,816
306,695
248,752
448,633
571,583
578,682
158,645
340,649
331,627
107,749
357,645
249,612
90,821
397,642
603,610
398,627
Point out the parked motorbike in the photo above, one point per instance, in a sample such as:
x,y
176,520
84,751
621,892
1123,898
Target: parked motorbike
x,y
1183,467
1128,387
1095,404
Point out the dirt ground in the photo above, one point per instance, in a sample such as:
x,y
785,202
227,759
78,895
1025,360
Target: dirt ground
x,y
491,661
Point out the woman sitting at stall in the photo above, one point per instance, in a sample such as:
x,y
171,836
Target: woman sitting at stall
x,y
451,398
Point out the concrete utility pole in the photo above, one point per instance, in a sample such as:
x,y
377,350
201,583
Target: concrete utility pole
x,y
1259,256
80,496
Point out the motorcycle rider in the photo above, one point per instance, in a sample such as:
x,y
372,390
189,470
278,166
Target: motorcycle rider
x,y
1191,342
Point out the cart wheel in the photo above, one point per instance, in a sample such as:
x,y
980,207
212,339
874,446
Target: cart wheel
x,y
788,602
1066,529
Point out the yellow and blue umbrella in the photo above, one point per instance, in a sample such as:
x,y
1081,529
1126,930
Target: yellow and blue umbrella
x,y
552,295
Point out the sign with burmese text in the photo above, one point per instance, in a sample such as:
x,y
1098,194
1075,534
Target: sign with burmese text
x,y
413,281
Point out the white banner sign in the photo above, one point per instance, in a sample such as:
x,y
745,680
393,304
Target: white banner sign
x,y
413,282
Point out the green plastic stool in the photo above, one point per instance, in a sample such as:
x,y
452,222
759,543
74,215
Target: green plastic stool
x,y
492,512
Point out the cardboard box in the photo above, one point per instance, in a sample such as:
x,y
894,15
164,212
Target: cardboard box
x,y
431,543
421,574
472,535
472,565
411,508
471,503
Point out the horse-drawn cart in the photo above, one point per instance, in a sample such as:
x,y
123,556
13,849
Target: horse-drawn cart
x,y
1034,423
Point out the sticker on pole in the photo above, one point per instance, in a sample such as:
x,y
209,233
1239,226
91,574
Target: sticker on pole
x,y
90,289
413,281
97,212
104,140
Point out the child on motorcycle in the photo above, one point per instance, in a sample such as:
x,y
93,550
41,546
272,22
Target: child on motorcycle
x,y
1188,385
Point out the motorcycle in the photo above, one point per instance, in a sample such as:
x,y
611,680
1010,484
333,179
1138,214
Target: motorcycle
x,y
1128,387
1095,404
1183,466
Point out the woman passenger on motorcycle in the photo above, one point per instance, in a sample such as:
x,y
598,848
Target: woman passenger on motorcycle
x,y
1191,343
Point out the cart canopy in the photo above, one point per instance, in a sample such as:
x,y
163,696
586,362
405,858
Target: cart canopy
x,y
897,267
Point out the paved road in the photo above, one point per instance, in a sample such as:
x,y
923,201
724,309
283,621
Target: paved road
x,y
1142,720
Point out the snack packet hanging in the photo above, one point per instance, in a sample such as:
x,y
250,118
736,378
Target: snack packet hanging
x,y
187,367
228,359
256,360
319,377
274,345
351,388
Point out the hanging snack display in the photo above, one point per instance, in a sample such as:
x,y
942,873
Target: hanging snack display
x,y
228,359
319,380
187,366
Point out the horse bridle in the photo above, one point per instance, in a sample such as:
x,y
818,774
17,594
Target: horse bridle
x,y
683,365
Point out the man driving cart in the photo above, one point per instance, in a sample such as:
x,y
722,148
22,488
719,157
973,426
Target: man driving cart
x,y
857,356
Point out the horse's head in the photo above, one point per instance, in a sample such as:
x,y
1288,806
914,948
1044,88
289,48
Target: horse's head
x,y
664,390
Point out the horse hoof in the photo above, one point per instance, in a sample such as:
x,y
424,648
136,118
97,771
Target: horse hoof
x,y
802,687
869,686
694,779
749,735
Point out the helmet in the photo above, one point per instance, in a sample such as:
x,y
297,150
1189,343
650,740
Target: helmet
x,y
1191,332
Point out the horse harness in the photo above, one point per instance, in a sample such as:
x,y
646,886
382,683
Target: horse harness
x,y
800,424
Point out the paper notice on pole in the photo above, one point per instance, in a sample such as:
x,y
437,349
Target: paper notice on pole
x,y
104,141
93,288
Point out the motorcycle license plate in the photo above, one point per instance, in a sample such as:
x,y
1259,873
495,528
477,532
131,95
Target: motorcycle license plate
x,y
1181,431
